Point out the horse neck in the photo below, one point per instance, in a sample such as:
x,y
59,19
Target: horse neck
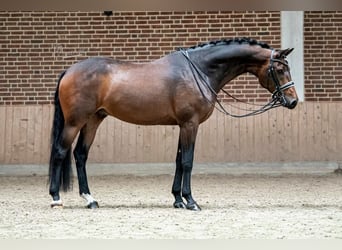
x,y
225,62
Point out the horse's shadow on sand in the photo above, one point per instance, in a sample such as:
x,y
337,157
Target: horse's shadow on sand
x,y
148,206
123,206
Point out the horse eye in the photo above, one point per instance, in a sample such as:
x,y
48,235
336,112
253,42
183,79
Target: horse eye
x,y
280,71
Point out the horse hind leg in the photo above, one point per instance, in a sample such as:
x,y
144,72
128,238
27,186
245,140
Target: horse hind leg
x,y
60,172
85,140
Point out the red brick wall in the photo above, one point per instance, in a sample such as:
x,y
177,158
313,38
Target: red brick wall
x,y
323,56
37,46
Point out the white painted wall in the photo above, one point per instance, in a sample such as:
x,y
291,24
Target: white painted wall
x,y
292,36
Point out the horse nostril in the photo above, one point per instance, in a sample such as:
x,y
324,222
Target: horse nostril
x,y
292,104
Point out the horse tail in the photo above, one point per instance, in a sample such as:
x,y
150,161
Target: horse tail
x,y
56,133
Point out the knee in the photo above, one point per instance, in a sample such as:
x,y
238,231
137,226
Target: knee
x,y
187,165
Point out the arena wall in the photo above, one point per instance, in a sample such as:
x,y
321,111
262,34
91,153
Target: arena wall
x,y
37,46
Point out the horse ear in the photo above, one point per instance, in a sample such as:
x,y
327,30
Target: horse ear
x,y
285,52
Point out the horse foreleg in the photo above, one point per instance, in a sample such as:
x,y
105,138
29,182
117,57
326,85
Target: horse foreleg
x,y
188,134
177,182
85,139
187,163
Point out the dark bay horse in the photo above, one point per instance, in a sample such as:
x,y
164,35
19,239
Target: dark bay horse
x,y
178,89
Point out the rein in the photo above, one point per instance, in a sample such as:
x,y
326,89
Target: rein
x,y
277,97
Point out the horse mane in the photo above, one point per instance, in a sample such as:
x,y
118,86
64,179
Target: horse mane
x,y
239,40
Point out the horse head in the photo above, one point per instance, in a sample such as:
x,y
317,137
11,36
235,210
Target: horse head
x,y
275,77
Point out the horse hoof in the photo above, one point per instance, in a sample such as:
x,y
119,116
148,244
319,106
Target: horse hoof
x,y
179,204
56,204
193,207
93,205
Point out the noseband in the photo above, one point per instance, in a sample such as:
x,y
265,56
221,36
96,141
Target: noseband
x,y
278,94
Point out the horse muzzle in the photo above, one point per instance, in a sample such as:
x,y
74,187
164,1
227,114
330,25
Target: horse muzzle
x,y
286,101
289,102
